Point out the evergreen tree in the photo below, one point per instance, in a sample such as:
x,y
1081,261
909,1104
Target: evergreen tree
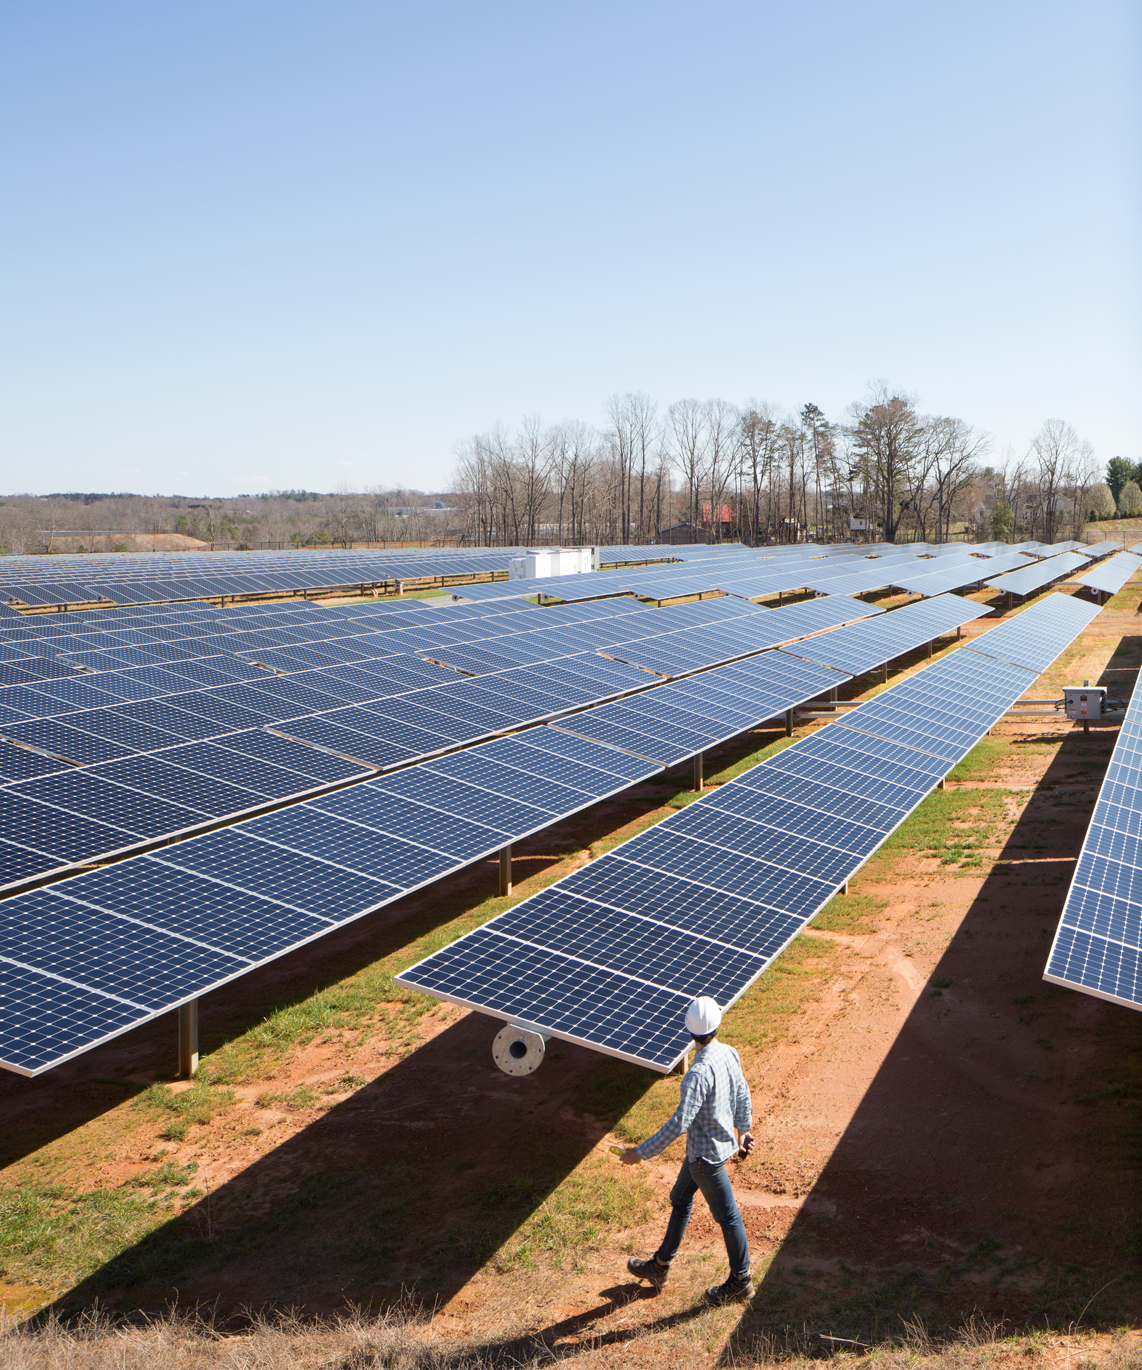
x,y
1118,472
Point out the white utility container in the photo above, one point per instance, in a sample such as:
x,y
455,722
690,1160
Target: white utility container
x,y
551,561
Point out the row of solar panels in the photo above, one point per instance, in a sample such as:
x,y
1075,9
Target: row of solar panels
x,y
847,570
1112,575
610,956
141,578
54,815
1040,574
98,953
1098,945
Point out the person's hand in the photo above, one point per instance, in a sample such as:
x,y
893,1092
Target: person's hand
x,y
631,1156
746,1145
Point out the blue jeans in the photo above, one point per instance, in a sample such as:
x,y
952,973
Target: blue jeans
x,y
711,1178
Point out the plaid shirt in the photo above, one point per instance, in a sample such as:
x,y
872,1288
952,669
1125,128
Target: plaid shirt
x,y
715,1099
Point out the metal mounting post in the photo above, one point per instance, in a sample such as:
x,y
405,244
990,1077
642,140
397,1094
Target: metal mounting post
x,y
506,870
788,722
943,785
699,778
188,1040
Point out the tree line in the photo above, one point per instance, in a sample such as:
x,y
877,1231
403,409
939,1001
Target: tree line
x,y
707,469
756,473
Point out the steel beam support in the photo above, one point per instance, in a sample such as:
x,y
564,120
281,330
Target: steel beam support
x,y
188,1040
505,870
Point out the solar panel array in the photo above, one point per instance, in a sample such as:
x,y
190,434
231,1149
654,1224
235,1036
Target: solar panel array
x,y
150,577
211,907
1098,945
1031,578
753,574
1112,575
610,956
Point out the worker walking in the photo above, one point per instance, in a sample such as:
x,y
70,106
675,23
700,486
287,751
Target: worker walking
x,y
716,1113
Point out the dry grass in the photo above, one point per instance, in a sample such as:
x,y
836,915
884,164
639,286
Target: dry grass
x,y
405,1338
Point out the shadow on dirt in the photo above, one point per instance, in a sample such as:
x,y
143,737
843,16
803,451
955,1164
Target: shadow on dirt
x,y
406,1188
992,1168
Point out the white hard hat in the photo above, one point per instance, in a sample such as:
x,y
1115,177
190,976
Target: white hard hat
x,y
703,1016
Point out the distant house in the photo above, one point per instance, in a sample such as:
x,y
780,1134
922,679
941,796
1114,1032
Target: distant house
x,y
679,533
722,520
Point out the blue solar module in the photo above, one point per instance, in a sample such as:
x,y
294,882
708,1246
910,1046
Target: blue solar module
x,y
671,958
748,837
339,741
165,714
382,812
55,737
64,696
588,753
212,912
532,761
1112,575
292,699
623,885
401,864
18,763
45,1020
477,768
1035,637
88,795
1030,578
609,1011
714,867
310,879
68,836
49,933
513,817
318,767
130,733
803,820
18,863
156,775
219,709
636,733
235,768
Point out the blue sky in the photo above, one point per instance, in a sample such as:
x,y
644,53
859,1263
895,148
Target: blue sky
x,y
280,244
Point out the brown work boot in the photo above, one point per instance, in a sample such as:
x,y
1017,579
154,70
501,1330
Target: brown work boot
x,y
651,1270
733,1291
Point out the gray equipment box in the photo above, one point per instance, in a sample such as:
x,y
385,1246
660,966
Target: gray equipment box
x,y
1083,701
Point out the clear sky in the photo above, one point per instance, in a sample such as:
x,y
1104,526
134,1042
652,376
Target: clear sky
x,y
273,244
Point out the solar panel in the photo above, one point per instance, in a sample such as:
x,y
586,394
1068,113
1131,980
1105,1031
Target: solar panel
x,y
366,750
45,1019
252,858
57,739
1034,641
49,933
630,768
18,763
57,832
210,911
88,794
382,812
1112,575
401,864
318,767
